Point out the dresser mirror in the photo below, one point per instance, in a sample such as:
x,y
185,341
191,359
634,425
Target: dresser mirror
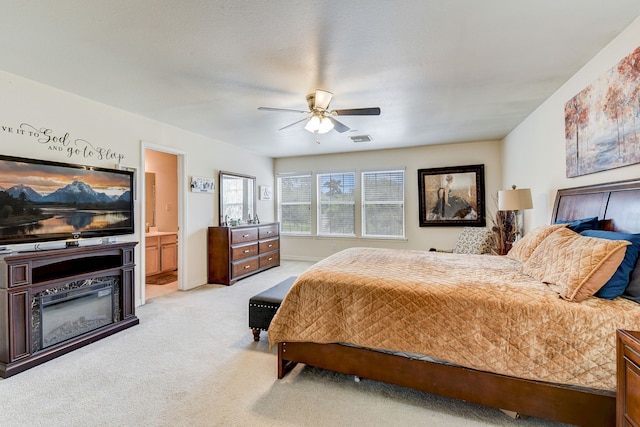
x,y
237,198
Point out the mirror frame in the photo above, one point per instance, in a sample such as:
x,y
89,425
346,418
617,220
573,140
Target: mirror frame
x,y
254,196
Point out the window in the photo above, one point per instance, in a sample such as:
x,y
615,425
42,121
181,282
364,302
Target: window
x,y
383,204
336,204
294,202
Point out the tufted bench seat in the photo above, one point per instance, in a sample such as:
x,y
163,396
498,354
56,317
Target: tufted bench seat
x,y
263,307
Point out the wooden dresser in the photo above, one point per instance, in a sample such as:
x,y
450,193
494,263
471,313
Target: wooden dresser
x,y
628,393
237,252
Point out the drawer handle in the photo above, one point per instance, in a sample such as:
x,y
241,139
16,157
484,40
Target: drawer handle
x,y
247,266
270,258
245,235
270,246
269,232
246,251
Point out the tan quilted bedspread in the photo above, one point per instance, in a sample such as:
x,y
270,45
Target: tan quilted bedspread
x,y
478,311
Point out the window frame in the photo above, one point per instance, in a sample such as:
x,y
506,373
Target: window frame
x,y
320,204
365,203
308,203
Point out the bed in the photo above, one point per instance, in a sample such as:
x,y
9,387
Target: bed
x,y
416,318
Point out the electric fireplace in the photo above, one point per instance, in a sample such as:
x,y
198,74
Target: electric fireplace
x,y
72,310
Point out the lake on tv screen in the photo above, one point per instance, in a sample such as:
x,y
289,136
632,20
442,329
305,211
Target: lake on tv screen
x,y
62,221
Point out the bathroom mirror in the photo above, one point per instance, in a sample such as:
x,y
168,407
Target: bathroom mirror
x,y
150,196
237,198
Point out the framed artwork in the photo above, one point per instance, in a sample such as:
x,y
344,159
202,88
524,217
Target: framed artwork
x,y
265,192
202,185
601,122
452,196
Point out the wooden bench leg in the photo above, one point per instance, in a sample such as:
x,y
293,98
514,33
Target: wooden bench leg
x,y
256,334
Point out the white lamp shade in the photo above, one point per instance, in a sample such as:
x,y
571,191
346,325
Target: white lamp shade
x,y
323,98
319,124
325,125
515,200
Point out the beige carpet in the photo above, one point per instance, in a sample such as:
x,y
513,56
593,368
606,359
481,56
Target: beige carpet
x,y
192,361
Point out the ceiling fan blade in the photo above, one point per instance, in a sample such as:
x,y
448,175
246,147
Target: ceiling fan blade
x,y
338,126
373,111
322,99
294,123
282,109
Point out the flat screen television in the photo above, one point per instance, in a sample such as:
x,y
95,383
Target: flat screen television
x,y
44,200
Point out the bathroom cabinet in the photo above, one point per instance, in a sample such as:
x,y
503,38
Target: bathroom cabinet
x,y
161,252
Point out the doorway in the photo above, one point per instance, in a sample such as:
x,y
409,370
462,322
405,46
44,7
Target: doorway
x,y
162,221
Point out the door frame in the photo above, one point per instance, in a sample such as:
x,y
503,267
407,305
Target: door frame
x,y
182,211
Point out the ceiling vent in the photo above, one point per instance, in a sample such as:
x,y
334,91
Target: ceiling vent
x,y
360,138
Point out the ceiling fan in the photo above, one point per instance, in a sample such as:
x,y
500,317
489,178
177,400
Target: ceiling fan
x,y
319,119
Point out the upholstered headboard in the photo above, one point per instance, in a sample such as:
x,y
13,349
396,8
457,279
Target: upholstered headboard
x,y
616,204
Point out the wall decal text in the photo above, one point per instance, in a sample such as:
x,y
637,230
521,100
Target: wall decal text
x,y
64,143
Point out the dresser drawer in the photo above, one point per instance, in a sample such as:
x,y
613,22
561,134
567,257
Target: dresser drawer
x,y
240,268
269,260
244,251
242,235
269,245
267,231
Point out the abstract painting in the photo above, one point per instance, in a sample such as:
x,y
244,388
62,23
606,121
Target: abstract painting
x,y
602,122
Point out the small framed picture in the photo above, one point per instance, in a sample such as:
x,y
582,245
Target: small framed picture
x,y
266,192
452,196
201,184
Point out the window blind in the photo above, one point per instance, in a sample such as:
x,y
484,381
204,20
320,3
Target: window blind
x,y
336,204
383,204
294,204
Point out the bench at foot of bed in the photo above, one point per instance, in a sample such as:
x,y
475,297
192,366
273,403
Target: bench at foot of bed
x,y
263,306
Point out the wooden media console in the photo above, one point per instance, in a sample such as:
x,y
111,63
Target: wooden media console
x,y
55,301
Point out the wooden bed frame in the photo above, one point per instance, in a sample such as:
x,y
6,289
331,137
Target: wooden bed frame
x,y
618,206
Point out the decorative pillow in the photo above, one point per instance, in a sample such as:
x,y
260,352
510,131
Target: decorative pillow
x,y
474,240
633,290
578,265
620,279
524,247
580,225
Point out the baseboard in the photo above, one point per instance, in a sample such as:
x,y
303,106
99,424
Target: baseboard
x,y
299,258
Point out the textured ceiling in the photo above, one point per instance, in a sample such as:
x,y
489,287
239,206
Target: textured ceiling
x,y
441,71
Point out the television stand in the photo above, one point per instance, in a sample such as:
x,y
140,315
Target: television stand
x,y
92,286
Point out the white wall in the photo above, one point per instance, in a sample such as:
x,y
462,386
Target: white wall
x,y
488,153
40,106
534,153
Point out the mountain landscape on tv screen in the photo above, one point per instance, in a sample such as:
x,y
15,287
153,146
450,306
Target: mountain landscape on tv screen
x,y
76,192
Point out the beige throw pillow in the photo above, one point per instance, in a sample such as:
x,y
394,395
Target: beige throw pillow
x,y
579,265
524,247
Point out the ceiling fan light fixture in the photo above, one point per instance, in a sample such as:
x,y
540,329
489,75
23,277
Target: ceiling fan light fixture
x,y
322,99
319,124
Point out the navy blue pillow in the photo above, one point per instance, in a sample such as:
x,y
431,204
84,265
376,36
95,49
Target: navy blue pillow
x,y
620,279
580,225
